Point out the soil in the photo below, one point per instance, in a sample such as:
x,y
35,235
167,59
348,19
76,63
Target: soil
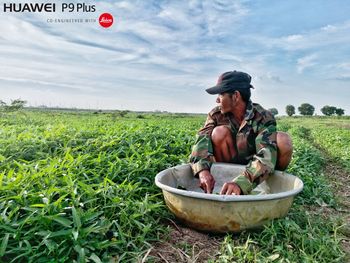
x,y
186,245
340,179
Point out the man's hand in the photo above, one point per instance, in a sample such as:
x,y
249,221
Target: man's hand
x,y
207,181
230,188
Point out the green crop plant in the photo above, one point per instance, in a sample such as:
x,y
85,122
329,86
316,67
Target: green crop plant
x,y
335,142
79,187
301,236
307,163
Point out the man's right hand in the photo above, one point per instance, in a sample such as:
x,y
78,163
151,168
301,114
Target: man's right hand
x,y
206,181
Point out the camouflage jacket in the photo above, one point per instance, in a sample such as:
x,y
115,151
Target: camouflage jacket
x,y
255,144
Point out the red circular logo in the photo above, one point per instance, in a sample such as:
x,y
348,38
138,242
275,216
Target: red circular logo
x,y
106,20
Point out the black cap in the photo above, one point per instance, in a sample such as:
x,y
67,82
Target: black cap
x,y
231,81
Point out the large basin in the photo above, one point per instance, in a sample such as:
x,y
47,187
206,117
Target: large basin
x,y
226,213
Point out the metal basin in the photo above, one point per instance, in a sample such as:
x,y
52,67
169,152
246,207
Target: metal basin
x,y
225,213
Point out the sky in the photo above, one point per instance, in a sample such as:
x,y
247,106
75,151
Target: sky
x,y
162,55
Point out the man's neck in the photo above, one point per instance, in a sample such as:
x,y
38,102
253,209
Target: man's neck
x,y
239,112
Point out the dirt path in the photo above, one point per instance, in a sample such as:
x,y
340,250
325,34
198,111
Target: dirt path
x,y
340,179
186,245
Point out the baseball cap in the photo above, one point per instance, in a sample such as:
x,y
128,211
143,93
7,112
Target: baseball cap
x,y
231,81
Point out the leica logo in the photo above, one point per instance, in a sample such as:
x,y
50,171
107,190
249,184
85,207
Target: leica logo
x,y
106,20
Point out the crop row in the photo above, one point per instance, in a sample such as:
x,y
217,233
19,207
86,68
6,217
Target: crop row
x,y
81,187
301,236
336,142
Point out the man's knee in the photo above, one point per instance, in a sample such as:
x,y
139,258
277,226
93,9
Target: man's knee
x,y
284,142
219,134
284,150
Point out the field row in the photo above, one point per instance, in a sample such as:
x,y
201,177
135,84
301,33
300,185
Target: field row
x,y
81,187
332,135
301,236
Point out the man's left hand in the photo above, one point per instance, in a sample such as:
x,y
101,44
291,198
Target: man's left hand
x,y
230,189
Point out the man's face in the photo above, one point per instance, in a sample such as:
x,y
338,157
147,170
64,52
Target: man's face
x,y
226,102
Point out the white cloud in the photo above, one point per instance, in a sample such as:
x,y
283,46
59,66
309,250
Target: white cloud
x,y
329,28
34,82
154,48
322,37
270,77
293,38
343,78
344,66
124,5
306,62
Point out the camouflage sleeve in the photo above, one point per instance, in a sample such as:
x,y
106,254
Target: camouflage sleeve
x,y
202,155
263,162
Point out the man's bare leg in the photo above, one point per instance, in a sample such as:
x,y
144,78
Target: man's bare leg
x,y
223,144
224,149
284,150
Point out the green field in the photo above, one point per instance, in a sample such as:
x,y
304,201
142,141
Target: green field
x,y
78,186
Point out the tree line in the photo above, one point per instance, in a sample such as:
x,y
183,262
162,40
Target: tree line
x,y
15,105
307,109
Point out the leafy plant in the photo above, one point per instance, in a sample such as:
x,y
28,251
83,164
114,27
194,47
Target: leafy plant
x,y
79,187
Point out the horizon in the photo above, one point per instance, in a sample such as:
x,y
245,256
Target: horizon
x,y
162,55
279,114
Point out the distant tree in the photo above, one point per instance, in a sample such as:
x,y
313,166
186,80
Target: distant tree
x,y
339,111
122,113
328,110
274,111
14,106
290,110
306,109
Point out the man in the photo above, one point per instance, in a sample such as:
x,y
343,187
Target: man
x,y
242,132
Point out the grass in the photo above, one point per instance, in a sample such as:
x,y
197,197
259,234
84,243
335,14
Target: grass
x,y
80,187
302,236
332,134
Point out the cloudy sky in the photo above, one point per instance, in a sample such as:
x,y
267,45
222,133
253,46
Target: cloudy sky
x,y
162,55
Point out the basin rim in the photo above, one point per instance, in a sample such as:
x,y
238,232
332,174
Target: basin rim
x,y
228,198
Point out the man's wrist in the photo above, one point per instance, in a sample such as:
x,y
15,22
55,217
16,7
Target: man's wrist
x,y
200,166
244,184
